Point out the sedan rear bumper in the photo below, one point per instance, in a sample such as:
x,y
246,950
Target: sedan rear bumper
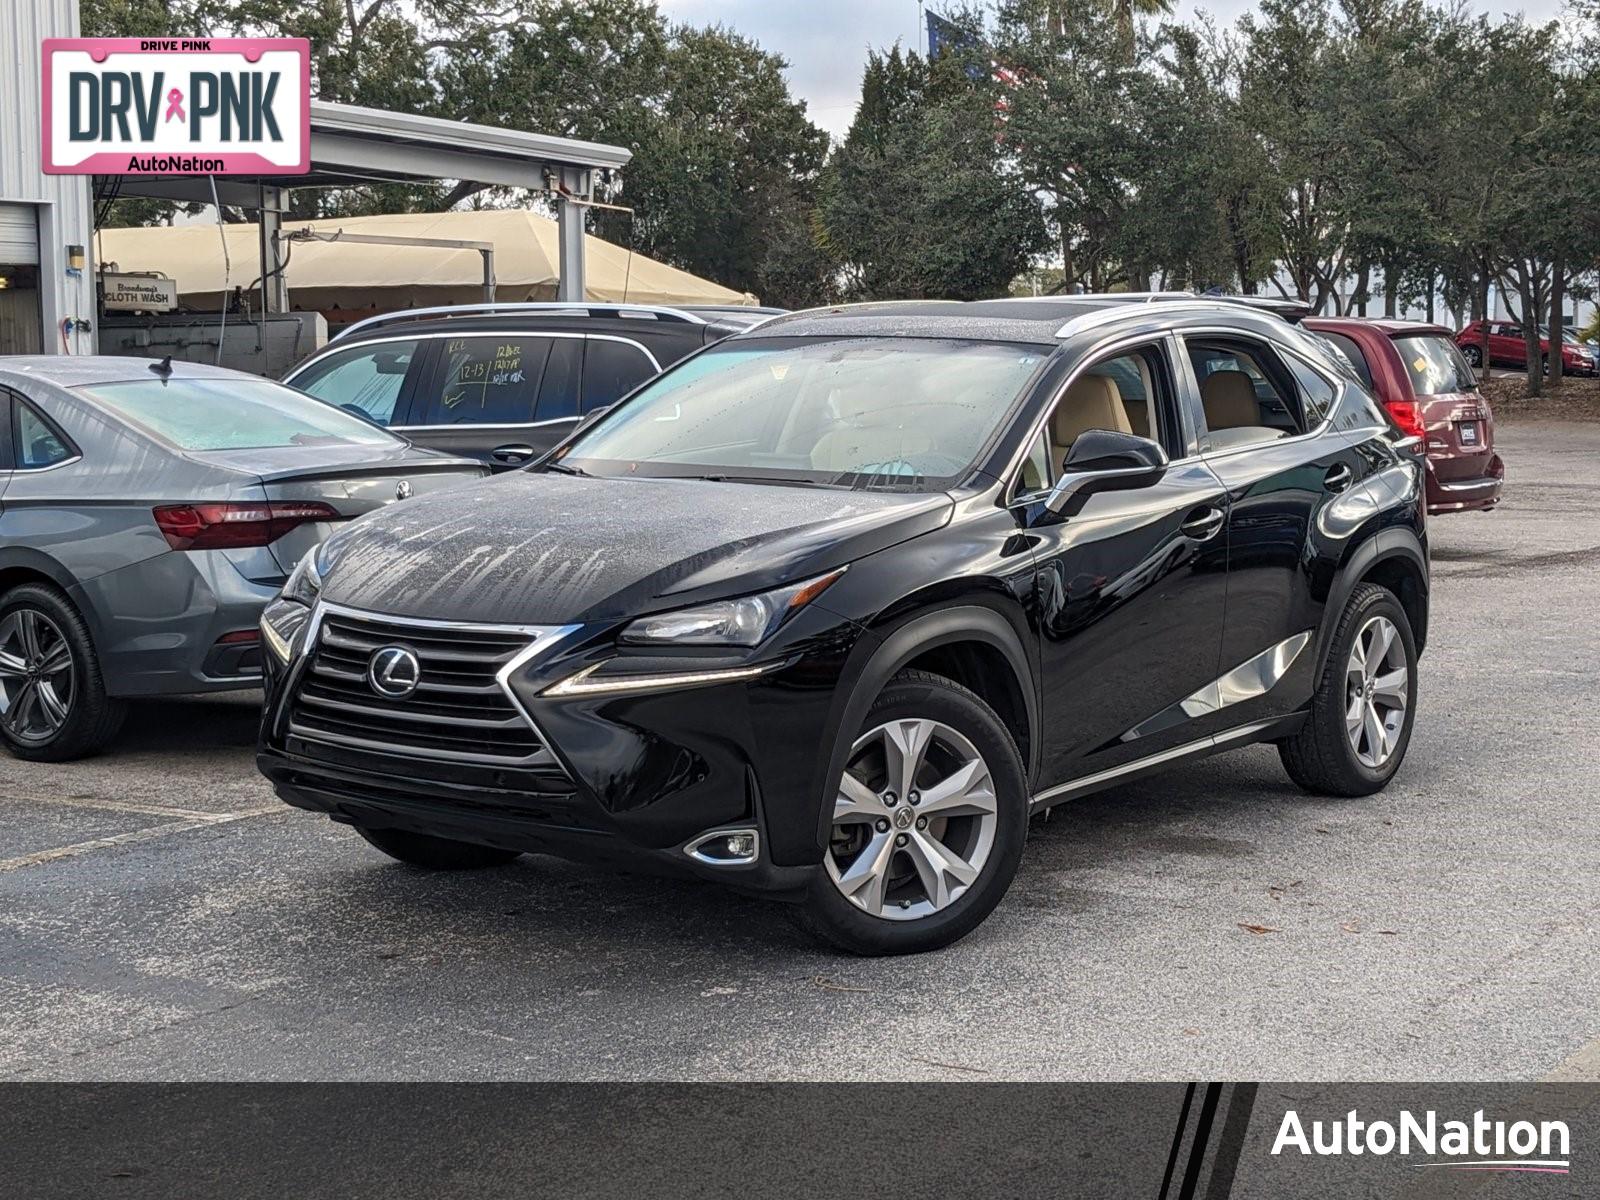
x,y
158,624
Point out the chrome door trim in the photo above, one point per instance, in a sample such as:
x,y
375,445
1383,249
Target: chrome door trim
x,y
1087,783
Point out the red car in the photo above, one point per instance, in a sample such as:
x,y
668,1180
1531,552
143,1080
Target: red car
x,y
1418,374
1507,348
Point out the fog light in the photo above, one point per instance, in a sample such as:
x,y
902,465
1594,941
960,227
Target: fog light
x,y
726,847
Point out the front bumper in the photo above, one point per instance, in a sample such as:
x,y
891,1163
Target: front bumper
x,y
637,778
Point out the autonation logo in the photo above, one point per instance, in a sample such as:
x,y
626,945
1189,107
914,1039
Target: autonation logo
x,y
1476,1145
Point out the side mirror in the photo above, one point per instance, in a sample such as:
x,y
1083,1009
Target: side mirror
x,y
1103,460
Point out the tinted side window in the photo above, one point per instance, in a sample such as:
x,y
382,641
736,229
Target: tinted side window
x,y
485,381
1246,393
611,370
366,379
1316,394
1350,350
558,394
38,443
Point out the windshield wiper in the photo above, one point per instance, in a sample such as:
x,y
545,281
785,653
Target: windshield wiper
x,y
725,478
563,469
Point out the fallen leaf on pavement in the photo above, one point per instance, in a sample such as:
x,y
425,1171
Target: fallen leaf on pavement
x,y
1258,928
1351,927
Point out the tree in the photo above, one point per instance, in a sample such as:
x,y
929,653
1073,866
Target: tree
x,y
919,201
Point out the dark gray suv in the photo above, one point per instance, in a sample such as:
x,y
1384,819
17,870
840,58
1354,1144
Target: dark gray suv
x,y
505,382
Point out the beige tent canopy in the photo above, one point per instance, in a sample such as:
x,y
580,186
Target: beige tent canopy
x,y
329,275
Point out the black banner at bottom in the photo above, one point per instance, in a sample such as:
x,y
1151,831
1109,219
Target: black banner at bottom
x,y
1150,1141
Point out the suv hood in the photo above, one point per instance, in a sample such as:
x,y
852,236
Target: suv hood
x,y
541,549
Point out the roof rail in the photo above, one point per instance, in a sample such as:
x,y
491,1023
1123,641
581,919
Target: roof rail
x,y
655,311
1105,316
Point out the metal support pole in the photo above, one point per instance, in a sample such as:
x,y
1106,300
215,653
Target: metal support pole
x,y
569,219
488,275
274,287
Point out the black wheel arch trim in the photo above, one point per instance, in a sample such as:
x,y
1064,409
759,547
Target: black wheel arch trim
x,y
1384,545
887,652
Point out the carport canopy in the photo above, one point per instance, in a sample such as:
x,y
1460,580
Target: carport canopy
x,y
352,146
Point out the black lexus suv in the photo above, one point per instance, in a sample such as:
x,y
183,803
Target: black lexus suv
x,y
831,608
503,383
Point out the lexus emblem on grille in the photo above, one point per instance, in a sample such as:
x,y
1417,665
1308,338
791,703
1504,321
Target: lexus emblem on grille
x,y
402,490
393,671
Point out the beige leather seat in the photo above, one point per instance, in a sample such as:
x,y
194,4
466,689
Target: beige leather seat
x,y
1092,402
870,433
1229,398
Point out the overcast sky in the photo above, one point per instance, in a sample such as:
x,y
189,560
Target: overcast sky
x,y
826,41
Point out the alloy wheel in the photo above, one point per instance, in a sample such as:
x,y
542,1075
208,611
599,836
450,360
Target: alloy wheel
x,y
1377,690
914,820
35,676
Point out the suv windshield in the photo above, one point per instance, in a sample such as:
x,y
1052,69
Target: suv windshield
x,y
903,413
232,413
1434,365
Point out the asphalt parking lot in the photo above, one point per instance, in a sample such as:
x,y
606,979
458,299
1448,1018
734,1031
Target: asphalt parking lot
x,y
162,916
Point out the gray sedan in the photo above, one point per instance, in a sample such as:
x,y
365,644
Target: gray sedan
x,y
148,511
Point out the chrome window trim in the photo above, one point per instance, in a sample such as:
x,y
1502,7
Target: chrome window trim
x,y
331,348
1093,355
1234,331
65,462
1178,347
543,637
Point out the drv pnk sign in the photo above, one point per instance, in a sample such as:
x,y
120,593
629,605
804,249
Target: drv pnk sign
x,y
177,106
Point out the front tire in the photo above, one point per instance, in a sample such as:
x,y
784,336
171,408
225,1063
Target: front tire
x,y
436,853
53,702
1359,727
929,821
1474,356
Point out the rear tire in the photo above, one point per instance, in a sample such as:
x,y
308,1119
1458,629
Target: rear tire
x,y
929,823
54,701
436,853
1474,356
1356,735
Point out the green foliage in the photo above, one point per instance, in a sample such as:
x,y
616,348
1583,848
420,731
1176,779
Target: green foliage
x,y
919,201
1321,146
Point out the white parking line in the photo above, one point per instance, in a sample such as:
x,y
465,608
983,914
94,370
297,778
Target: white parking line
x,y
127,806
202,821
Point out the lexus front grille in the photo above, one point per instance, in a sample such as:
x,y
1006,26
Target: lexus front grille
x,y
460,709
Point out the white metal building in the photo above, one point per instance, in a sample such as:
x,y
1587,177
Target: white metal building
x,y
45,220
47,293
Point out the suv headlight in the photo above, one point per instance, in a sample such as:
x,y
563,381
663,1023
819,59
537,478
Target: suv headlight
x,y
745,621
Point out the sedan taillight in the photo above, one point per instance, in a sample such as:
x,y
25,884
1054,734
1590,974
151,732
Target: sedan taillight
x,y
233,524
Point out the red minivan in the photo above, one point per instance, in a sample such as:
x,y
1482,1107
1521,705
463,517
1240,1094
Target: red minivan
x,y
1420,376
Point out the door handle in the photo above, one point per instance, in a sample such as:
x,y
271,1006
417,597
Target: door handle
x,y
1338,477
511,456
1203,523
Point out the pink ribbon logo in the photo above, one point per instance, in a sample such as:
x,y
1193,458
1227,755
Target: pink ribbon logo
x,y
175,105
